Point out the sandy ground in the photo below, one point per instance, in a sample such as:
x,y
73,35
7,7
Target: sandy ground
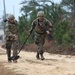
x,y
5,71
29,65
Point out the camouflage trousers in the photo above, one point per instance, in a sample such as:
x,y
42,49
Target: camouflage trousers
x,y
11,45
39,41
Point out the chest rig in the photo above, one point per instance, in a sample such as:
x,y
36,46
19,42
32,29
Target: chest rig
x,y
13,29
40,27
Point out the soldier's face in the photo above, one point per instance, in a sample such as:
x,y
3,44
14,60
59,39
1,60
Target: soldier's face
x,y
11,20
40,18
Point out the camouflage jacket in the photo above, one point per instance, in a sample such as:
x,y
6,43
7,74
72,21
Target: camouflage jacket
x,y
11,29
46,25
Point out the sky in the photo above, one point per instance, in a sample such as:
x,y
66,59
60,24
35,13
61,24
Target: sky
x,y
13,7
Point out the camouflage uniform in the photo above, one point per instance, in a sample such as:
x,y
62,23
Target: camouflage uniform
x,y
11,40
40,33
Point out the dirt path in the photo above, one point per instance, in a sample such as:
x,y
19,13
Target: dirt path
x,y
29,65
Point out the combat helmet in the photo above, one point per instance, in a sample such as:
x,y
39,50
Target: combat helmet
x,y
40,13
11,16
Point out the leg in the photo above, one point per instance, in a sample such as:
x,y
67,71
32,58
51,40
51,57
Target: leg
x,y
36,39
39,41
37,55
15,50
41,51
8,49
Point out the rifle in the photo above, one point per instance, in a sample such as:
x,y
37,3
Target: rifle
x,y
23,44
50,36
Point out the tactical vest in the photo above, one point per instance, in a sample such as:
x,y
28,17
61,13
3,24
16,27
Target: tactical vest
x,y
12,28
40,29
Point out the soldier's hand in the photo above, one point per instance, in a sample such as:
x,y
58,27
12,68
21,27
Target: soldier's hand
x,y
16,37
48,32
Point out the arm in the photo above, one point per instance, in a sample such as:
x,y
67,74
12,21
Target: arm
x,y
49,28
32,27
16,27
7,30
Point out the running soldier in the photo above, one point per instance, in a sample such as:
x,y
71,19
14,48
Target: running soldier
x,y
41,27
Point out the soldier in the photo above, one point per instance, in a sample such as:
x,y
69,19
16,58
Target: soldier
x,y
11,38
42,27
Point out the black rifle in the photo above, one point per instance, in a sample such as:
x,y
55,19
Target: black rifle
x,y
50,36
23,44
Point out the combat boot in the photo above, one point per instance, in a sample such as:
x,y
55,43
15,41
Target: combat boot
x,y
14,59
42,57
9,60
37,56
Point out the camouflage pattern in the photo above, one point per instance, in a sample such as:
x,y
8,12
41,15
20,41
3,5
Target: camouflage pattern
x,y
11,40
40,33
11,16
40,13
39,41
